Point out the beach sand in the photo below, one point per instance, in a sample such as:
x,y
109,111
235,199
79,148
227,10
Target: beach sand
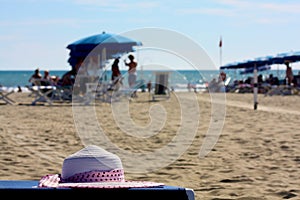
x,y
257,155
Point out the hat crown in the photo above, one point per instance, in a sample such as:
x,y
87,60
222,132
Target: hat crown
x,y
90,158
92,167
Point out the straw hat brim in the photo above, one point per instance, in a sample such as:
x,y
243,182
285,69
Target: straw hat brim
x,y
106,185
53,181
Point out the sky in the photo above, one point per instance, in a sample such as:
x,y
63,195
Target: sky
x,y
35,33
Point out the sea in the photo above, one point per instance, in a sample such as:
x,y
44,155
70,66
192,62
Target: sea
x,y
12,79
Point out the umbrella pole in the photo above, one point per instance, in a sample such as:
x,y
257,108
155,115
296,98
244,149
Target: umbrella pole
x,y
255,89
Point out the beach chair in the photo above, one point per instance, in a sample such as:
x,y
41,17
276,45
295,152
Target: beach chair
x,y
96,91
161,88
62,93
125,92
42,91
280,90
49,92
4,97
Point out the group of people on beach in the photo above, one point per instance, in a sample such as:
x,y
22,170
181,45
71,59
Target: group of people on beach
x,y
116,76
68,78
44,79
266,84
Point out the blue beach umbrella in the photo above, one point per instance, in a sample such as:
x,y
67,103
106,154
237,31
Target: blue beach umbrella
x,y
259,69
282,58
110,44
259,63
249,65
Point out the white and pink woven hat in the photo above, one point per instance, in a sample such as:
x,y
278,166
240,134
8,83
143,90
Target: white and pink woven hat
x,y
92,167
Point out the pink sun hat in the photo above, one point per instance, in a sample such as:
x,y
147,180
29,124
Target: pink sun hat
x,y
92,167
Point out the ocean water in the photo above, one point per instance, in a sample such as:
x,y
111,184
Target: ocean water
x,y
178,79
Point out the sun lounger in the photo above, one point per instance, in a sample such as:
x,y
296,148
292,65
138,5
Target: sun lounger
x,y
46,91
4,97
280,90
28,189
42,93
97,91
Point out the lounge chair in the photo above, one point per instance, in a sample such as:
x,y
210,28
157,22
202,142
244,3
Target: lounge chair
x,y
45,91
280,90
4,97
96,91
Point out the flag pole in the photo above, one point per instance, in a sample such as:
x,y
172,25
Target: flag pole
x,y
255,87
220,45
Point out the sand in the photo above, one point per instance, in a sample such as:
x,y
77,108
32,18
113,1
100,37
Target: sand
x,y
257,154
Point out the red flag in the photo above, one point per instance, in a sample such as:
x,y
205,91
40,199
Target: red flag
x,y
220,43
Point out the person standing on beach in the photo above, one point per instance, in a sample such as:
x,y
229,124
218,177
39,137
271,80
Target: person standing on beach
x,y
132,73
116,74
289,73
